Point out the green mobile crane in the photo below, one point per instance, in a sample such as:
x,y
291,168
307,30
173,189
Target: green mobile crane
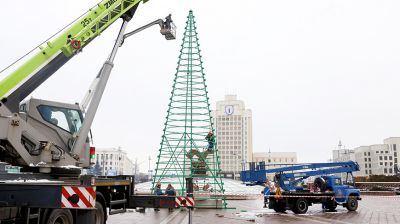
x,y
29,138
49,140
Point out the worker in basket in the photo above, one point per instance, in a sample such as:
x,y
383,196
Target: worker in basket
x,y
211,140
168,21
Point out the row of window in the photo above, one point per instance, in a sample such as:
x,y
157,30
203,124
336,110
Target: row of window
x,y
367,159
223,148
231,152
230,118
385,170
377,152
233,161
231,157
111,156
381,164
229,133
366,171
380,158
229,138
230,143
229,123
280,160
230,128
390,157
106,163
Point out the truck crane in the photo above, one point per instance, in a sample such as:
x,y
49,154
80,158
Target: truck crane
x,y
327,189
49,140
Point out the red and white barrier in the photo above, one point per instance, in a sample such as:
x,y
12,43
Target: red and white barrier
x,y
78,197
184,202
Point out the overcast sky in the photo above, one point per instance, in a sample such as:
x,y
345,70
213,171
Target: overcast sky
x,y
312,72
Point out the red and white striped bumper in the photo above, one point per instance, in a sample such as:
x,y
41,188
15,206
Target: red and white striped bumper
x,y
78,197
184,202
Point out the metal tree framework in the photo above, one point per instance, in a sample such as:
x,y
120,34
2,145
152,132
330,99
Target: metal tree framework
x,y
184,150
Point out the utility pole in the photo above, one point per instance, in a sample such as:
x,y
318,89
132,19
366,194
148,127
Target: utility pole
x,y
235,167
150,168
103,163
135,170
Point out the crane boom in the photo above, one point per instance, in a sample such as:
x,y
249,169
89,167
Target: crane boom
x,y
299,171
55,53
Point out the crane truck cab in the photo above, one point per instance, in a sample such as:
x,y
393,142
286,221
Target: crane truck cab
x,y
42,135
345,194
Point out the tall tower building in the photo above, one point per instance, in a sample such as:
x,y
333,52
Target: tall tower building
x,y
234,134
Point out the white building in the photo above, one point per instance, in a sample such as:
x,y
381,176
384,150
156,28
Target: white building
x,y
233,123
374,160
394,143
275,158
114,161
378,159
341,154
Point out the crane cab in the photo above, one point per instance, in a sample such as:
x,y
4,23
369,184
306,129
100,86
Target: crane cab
x,y
43,133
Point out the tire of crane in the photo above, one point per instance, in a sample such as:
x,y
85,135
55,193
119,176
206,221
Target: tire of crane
x,y
60,216
100,217
300,206
352,204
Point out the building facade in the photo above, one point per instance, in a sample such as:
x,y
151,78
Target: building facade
x,y
114,161
234,131
374,160
275,158
378,159
394,143
341,154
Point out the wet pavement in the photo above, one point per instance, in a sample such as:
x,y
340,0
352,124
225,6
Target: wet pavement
x,y
372,209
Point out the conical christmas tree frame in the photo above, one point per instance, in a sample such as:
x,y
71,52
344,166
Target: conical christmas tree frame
x,y
183,149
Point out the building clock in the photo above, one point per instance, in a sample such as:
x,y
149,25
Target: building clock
x,y
229,109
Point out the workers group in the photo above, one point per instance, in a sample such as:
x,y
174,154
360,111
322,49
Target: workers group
x,y
169,191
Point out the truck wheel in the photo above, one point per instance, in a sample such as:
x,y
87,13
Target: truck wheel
x,y
352,204
300,206
100,216
279,207
60,216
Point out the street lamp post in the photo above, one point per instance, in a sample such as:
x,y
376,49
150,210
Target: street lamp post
x,y
103,163
235,167
150,168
